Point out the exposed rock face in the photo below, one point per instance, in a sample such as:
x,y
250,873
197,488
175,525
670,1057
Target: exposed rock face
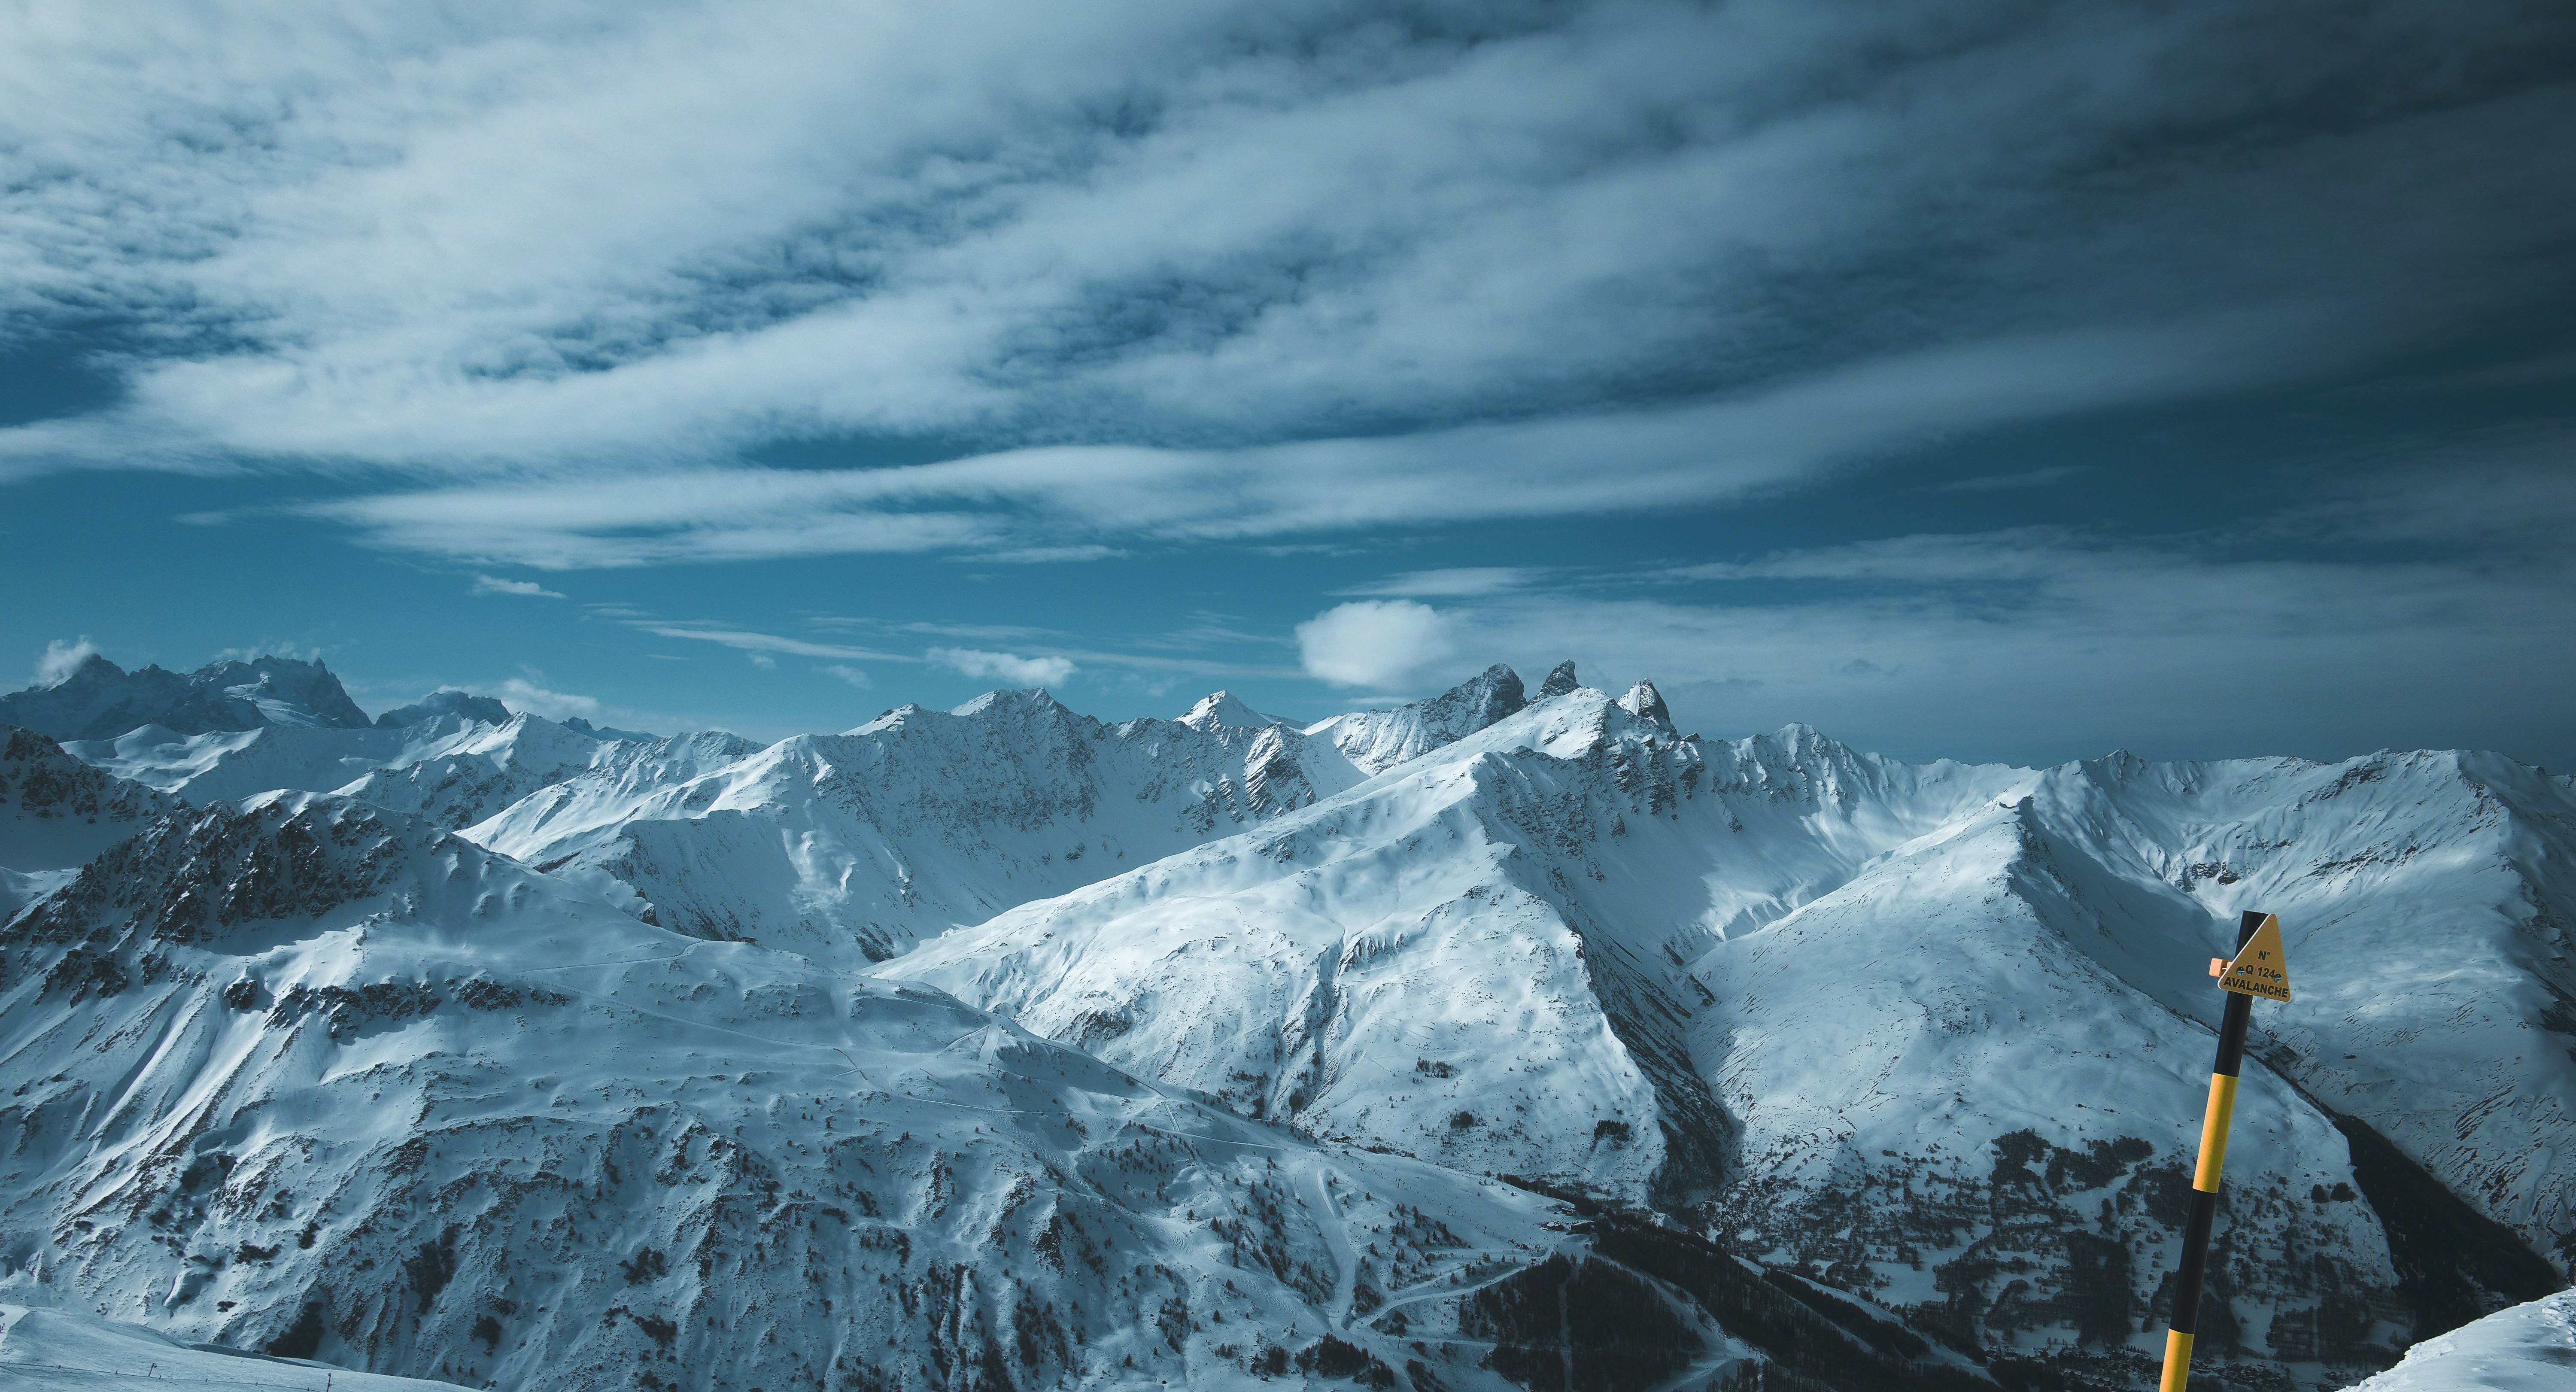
x,y
1646,703
44,790
1378,740
56,813
101,700
1560,680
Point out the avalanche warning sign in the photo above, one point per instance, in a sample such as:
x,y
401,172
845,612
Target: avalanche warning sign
x,y
2259,968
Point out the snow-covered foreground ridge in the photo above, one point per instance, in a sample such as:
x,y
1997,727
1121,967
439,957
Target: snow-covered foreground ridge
x,y
1932,1036
2528,1348
73,1352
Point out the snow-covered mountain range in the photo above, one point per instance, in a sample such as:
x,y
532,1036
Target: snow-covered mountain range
x,y
99,699
1858,1069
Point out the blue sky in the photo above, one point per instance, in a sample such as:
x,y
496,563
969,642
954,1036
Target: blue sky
x,y
1994,381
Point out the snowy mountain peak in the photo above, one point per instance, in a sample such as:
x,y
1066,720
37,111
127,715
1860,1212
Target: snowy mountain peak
x,y
1225,708
1646,703
447,700
889,718
1035,698
1378,740
317,1079
1487,697
101,700
93,671
380,1072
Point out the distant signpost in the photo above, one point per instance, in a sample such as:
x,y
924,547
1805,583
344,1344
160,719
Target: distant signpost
x,y
2257,969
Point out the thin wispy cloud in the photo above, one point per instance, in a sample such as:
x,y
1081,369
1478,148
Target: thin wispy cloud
x,y
1405,338
1690,455
2001,641
750,641
2005,483
1161,262
1451,582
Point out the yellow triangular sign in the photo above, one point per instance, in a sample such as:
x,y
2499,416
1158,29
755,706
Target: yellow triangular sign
x,y
2260,969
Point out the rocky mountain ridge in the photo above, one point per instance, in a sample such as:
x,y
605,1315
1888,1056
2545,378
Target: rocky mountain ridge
x,y
100,700
1915,1050
317,1078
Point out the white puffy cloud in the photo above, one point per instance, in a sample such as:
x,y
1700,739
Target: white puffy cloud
x,y
489,585
520,694
1383,643
849,674
60,659
1002,666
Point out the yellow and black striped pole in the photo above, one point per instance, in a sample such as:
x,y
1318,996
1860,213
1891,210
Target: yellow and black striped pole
x,y
2243,979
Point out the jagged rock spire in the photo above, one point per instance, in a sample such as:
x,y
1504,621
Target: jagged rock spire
x,y
1646,703
1559,681
1479,701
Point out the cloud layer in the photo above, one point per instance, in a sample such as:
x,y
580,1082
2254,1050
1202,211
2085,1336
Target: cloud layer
x,y
544,285
2422,609
1005,667
60,659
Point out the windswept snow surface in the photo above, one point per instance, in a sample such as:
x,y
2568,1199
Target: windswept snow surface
x,y
2529,1348
320,1079
60,1349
